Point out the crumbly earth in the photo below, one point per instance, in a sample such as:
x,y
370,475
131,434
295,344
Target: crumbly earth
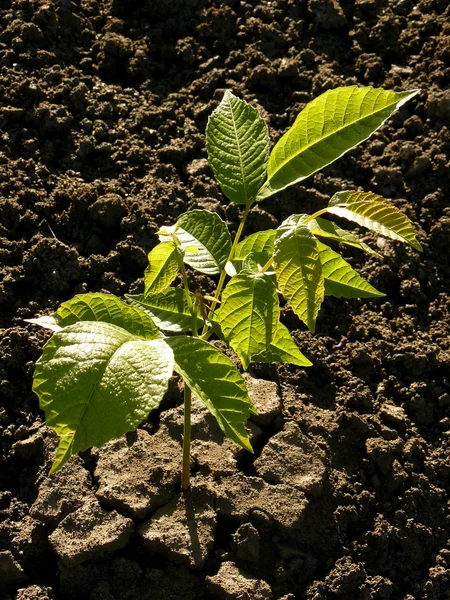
x,y
104,105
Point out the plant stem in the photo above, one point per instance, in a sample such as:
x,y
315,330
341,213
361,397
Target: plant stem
x,y
267,266
185,473
316,214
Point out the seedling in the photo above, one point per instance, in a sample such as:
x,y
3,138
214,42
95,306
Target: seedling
x,y
109,361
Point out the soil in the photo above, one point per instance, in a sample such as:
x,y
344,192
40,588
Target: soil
x,y
104,105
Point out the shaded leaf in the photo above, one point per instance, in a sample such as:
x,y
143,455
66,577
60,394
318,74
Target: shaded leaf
x,y
328,229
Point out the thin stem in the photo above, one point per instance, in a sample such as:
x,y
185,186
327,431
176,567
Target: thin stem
x,y
316,214
267,266
185,473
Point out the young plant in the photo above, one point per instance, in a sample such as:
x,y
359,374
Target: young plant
x,y
109,361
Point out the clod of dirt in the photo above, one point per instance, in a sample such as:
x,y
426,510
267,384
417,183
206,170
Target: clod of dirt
x,y
302,464
30,448
214,454
63,493
243,498
246,543
10,570
137,473
265,397
183,530
383,452
35,592
328,14
234,584
90,532
108,211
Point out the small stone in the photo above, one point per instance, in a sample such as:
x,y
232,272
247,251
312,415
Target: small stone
x,y
382,452
240,497
108,210
393,416
35,592
90,532
328,14
265,397
302,464
246,543
63,493
234,584
183,530
10,570
29,448
198,166
420,166
137,474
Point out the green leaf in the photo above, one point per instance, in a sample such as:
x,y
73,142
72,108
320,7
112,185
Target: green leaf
x,y
95,381
249,314
162,268
341,280
108,309
375,213
261,241
328,229
46,321
299,272
237,141
327,127
283,349
168,309
207,232
215,380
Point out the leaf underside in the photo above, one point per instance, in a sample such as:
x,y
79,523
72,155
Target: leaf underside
x,y
204,230
327,128
95,381
375,213
237,141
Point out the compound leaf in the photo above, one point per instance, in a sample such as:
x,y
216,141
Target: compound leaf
x,y
327,127
249,314
162,268
237,141
299,272
341,280
204,230
375,213
169,309
216,381
283,349
96,381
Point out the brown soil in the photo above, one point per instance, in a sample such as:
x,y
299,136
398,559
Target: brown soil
x,y
104,105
